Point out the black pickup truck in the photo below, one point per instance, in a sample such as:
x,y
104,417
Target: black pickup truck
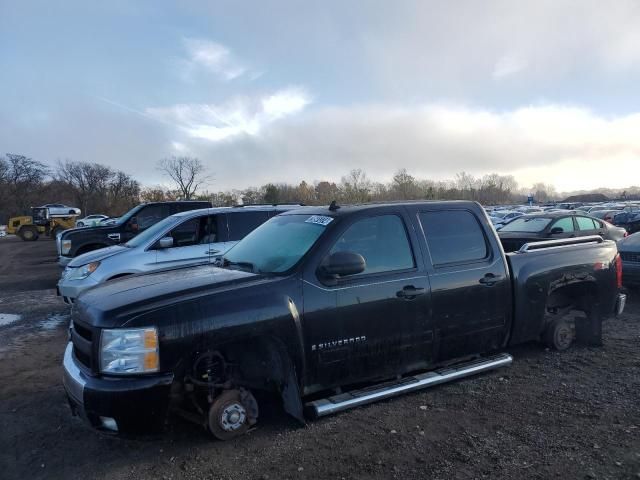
x,y
77,241
330,308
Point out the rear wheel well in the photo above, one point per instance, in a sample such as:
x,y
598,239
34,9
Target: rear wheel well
x,y
576,305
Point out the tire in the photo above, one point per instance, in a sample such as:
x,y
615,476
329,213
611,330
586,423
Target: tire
x,y
72,212
79,224
28,234
232,413
559,335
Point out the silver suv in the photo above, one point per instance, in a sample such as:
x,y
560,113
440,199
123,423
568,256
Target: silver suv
x,y
194,237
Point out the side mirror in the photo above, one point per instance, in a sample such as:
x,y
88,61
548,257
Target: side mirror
x,y
165,242
556,230
342,264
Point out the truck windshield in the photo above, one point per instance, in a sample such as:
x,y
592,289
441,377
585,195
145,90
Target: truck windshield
x,y
524,224
278,244
152,232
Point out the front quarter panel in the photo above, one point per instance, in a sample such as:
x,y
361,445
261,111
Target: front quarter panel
x,y
267,308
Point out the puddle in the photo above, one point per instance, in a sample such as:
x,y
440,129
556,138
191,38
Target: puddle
x,y
8,318
53,321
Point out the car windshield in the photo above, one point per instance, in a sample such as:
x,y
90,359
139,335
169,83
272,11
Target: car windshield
x,y
152,231
524,224
278,244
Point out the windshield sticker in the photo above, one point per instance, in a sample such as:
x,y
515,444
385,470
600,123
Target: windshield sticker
x,y
319,220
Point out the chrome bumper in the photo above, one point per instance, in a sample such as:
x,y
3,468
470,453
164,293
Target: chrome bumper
x,y
72,377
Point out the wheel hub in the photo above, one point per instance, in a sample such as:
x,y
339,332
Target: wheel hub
x,y
233,417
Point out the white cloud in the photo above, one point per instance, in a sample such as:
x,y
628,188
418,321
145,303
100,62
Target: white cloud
x,y
571,147
212,57
241,115
509,65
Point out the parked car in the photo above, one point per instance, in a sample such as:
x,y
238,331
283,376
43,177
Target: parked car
x,y
630,252
77,241
607,215
505,216
61,209
91,220
189,238
319,299
553,225
630,221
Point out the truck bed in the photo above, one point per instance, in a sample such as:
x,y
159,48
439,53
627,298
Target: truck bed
x,y
554,274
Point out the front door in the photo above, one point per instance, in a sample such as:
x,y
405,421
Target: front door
x,y
373,324
191,244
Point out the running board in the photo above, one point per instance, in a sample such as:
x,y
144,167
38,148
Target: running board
x,y
344,401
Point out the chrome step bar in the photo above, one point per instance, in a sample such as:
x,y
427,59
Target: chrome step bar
x,y
356,398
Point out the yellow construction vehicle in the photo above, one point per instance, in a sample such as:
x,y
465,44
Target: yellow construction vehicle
x,y
41,222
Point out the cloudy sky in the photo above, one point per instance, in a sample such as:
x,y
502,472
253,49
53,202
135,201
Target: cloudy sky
x,y
285,90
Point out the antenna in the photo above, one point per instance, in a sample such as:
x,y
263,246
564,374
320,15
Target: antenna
x,y
334,206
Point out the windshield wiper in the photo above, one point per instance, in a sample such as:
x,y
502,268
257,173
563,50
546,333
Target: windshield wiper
x,y
242,265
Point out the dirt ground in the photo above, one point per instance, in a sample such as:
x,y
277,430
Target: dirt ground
x,y
550,415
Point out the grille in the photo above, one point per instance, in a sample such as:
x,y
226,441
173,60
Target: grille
x,y
630,257
82,339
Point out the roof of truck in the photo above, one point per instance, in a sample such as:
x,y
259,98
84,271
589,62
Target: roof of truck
x,y
352,208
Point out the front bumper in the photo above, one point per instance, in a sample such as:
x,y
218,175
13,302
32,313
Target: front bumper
x,y
64,261
116,404
630,273
70,289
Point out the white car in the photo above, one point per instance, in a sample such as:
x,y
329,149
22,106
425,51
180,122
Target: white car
x,y
91,220
61,209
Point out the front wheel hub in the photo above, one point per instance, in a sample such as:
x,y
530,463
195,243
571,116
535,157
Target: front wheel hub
x,y
233,417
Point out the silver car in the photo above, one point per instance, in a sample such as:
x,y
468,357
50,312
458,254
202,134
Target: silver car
x,y
194,237
61,209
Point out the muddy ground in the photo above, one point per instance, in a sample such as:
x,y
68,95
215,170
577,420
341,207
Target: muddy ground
x,y
551,415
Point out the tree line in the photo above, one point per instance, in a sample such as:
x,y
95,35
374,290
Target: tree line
x,y
96,188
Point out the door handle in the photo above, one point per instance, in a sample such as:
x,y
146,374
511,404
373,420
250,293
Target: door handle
x,y
410,292
212,252
490,279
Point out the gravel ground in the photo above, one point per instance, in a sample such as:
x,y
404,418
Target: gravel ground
x,y
549,415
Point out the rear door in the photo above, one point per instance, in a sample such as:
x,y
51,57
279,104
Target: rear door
x,y
376,323
587,226
470,287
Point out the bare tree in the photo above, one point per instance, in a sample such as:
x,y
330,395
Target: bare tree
x,y
22,177
356,187
188,173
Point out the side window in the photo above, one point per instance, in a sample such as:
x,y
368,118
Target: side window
x,y
382,241
151,215
243,223
190,232
566,224
585,223
453,236
598,224
209,230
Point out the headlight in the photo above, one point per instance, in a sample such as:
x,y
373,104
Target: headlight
x,y
127,351
82,272
66,246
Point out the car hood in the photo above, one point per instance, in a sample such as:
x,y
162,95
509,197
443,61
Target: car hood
x,y
97,255
114,303
630,244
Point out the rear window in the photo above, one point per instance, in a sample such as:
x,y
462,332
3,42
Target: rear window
x,y
453,237
526,224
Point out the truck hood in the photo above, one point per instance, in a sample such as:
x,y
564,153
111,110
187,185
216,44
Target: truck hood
x,y
115,303
70,233
97,255
630,244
